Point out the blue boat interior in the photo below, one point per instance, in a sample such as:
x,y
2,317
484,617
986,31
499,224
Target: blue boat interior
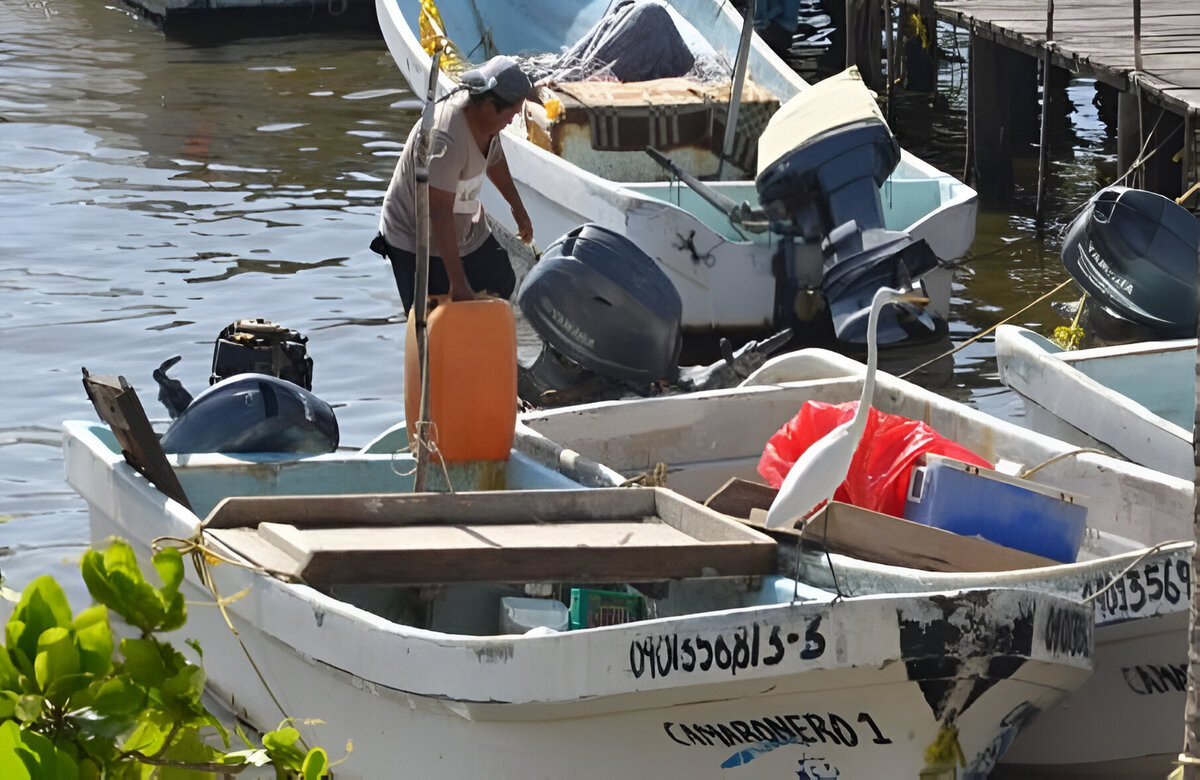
x,y
208,479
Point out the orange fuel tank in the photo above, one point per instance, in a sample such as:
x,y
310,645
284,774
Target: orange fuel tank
x,y
472,377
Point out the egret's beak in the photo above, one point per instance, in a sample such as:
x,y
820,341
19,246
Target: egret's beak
x,y
920,301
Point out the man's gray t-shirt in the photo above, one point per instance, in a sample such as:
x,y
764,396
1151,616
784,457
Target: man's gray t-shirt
x,y
455,165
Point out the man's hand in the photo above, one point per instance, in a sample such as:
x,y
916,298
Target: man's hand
x,y
524,225
460,290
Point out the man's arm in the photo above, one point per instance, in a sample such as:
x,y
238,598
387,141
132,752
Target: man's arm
x,y
444,243
499,175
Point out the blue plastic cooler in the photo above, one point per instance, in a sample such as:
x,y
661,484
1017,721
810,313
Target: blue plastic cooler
x,y
972,501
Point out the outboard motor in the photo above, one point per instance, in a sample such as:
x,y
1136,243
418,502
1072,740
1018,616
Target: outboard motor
x,y
822,160
254,413
1135,253
598,299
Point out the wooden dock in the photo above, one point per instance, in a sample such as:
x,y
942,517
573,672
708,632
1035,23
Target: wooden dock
x,y
1153,60
1095,39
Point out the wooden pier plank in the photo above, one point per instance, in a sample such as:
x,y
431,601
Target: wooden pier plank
x,y
1095,38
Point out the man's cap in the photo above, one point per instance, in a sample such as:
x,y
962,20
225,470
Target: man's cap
x,y
503,78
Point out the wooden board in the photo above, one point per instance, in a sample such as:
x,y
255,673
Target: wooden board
x,y
872,536
580,536
118,405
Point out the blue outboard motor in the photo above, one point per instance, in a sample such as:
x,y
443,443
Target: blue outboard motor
x,y
254,413
1135,253
598,299
822,160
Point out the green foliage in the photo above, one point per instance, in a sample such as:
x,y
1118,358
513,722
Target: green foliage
x,y
72,709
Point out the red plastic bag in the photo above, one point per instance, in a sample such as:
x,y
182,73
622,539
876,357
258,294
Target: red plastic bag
x,y
882,464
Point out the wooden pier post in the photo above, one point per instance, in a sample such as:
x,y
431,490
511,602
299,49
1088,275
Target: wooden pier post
x,y
1002,90
1044,143
1129,134
863,34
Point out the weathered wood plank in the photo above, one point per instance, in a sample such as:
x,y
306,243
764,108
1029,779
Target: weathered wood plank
x,y
382,509
598,535
1095,38
566,552
872,536
118,405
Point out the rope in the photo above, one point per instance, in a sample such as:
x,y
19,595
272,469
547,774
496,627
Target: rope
x,y
1145,554
981,334
655,477
964,260
1068,337
202,556
429,442
1062,456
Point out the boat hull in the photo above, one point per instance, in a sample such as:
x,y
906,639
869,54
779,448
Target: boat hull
x,y
1102,394
860,686
708,437
724,278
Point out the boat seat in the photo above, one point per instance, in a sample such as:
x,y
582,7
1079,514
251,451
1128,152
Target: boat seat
x,y
667,113
600,535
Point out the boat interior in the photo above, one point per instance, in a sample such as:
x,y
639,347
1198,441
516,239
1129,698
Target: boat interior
x,y
604,126
1124,369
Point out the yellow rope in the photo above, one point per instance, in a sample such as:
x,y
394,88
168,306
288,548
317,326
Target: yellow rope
x,y
655,477
202,557
1069,337
981,334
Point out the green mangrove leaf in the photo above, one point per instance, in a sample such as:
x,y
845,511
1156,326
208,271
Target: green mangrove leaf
x,y
187,684
9,674
149,735
144,662
169,565
57,656
29,707
119,696
43,606
281,747
316,764
61,690
96,578
11,765
95,640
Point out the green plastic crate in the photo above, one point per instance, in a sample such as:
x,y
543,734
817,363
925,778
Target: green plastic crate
x,y
592,608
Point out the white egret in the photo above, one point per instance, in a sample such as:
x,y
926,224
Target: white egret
x,y
819,470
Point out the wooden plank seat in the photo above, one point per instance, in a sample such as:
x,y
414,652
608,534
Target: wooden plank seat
x,y
578,536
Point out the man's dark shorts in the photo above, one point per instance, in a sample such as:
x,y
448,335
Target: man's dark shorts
x,y
487,268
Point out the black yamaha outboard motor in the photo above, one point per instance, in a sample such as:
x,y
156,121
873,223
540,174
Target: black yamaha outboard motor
x,y
597,299
1134,252
259,399
254,413
822,160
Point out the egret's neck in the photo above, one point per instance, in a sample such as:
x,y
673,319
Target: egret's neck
x,y
868,389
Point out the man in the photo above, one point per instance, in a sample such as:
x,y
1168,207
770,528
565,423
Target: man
x,y
464,147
